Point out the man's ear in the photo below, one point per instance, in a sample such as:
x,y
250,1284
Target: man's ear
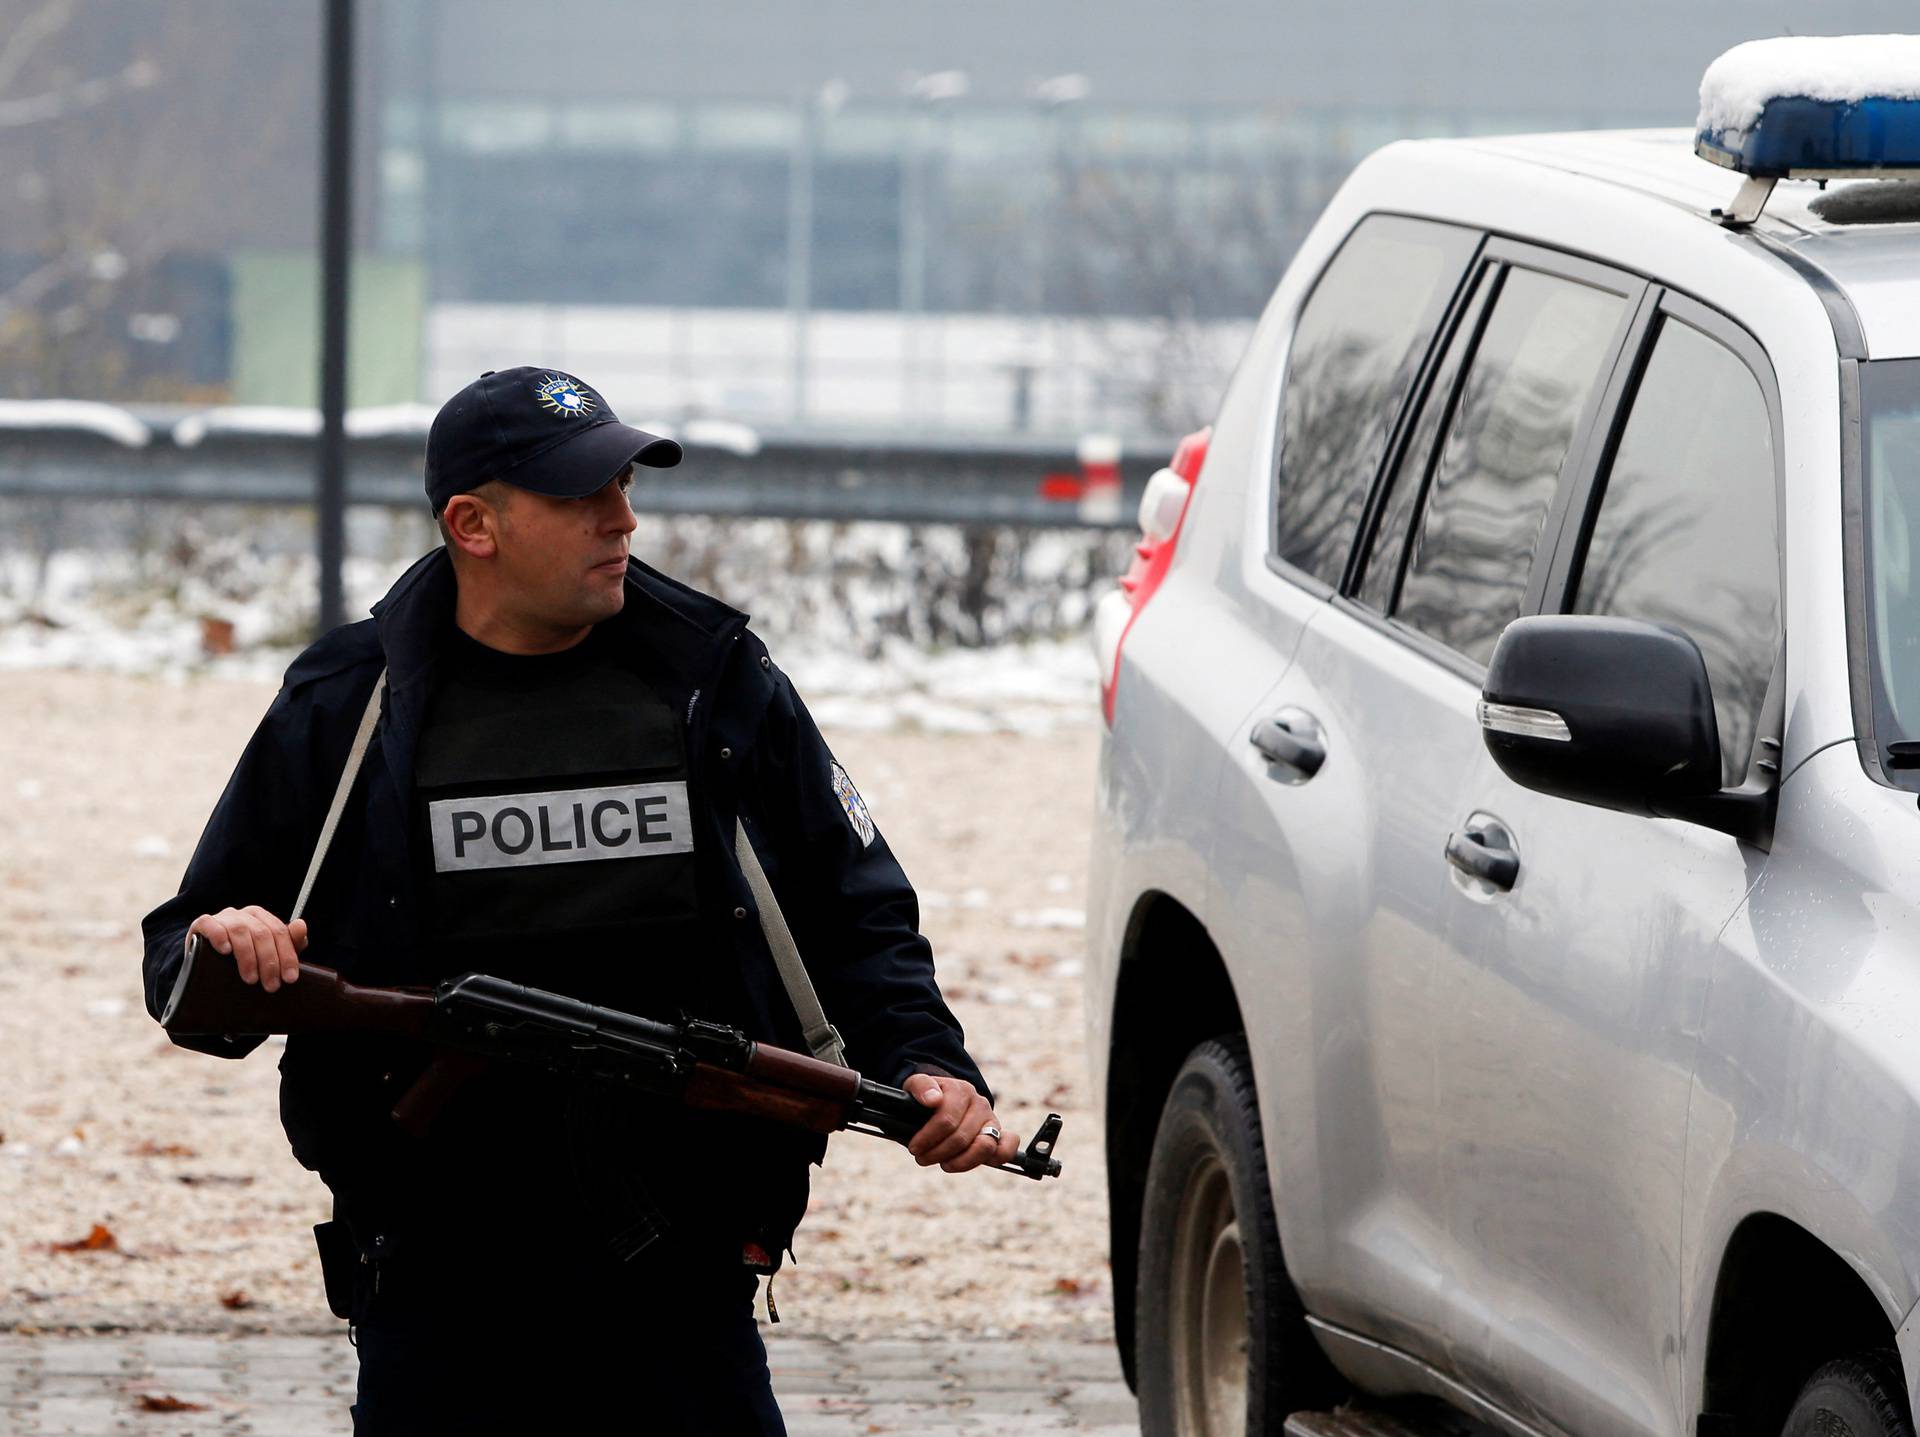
x,y
472,525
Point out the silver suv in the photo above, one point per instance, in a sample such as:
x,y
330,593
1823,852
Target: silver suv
x,y
1504,976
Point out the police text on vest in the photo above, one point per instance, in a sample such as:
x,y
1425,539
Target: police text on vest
x,y
576,825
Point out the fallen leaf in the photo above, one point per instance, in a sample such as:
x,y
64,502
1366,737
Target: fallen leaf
x,y
166,1402
236,1300
216,635
101,1239
148,1148
1068,1286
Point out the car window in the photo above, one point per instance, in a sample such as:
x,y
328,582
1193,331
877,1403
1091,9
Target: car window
x,y
1540,356
1686,533
1363,333
1380,571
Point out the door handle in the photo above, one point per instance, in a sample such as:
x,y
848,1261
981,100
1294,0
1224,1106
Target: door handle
x,y
1483,849
1292,740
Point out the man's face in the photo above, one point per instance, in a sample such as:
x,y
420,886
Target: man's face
x,y
562,563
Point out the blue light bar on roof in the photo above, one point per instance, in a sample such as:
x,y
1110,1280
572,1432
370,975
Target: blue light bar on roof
x,y
1800,138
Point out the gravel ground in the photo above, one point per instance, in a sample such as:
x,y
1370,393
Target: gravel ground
x,y
173,1164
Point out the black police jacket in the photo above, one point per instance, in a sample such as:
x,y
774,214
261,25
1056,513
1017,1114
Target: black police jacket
x,y
753,751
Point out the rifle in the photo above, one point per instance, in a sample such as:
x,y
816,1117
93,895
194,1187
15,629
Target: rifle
x,y
477,1017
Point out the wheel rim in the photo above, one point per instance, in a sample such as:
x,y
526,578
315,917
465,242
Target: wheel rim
x,y
1209,1308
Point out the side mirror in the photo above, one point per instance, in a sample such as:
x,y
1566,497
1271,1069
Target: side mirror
x,y
1612,712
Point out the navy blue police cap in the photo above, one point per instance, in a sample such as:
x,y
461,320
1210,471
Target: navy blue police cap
x,y
538,429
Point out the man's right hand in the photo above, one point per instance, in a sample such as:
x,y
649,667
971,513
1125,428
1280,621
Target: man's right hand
x,y
265,950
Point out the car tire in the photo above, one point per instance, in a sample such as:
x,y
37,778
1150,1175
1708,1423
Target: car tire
x,y
1864,1396
1221,1341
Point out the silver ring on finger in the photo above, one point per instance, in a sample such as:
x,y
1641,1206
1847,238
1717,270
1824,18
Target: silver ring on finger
x,y
990,1131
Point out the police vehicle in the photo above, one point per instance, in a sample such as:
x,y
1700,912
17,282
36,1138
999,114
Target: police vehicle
x,y
1505,929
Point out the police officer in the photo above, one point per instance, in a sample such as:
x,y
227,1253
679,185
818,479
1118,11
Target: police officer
x,y
566,752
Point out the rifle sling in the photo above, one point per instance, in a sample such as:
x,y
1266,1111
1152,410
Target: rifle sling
x,y
823,1039
362,738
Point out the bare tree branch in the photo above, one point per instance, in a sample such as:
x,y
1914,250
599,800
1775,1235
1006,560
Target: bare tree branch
x,y
44,23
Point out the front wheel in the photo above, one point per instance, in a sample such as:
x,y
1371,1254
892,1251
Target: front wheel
x,y
1221,1346
1862,1396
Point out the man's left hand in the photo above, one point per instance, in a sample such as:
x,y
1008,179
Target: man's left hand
x,y
961,1131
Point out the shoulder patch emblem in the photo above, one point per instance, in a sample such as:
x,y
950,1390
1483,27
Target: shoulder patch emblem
x,y
853,803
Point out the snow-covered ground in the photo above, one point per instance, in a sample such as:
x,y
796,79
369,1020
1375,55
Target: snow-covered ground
x,y
880,625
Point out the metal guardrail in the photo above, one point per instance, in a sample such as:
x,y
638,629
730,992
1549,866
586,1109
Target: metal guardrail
x,y
786,476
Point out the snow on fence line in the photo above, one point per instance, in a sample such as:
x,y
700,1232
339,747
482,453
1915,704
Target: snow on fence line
x,y
281,421
83,416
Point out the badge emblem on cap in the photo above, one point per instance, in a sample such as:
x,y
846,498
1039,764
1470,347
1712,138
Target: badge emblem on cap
x,y
563,396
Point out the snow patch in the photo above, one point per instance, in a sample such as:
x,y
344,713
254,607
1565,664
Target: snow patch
x,y
271,420
1844,69
741,439
107,420
277,421
864,617
391,421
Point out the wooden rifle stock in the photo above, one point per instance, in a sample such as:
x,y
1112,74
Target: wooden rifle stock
x,y
209,999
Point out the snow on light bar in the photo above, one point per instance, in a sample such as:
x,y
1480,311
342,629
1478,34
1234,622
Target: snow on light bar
x,y
1813,107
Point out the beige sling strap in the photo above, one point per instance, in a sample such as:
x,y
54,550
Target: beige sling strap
x,y
823,1039
361,739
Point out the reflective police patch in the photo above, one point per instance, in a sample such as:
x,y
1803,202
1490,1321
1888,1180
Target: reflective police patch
x,y
563,396
854,804
573,825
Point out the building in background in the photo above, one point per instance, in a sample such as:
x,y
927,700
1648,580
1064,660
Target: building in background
x,y
850,215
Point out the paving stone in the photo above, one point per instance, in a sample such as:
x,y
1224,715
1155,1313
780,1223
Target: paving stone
x,y
1089,1361
897,1389
183,1379
803,1384
302,1387
823,1425
1104,1412
883,1350
75,1416
1009,1402
804,1352
167,1350
88,1356
1003,1377
914,1417
304,1419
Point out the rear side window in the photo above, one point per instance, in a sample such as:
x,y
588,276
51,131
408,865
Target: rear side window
x,y
1686,533
1542,354
1363,333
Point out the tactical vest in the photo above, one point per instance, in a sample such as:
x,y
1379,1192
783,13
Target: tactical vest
x,y
554,829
